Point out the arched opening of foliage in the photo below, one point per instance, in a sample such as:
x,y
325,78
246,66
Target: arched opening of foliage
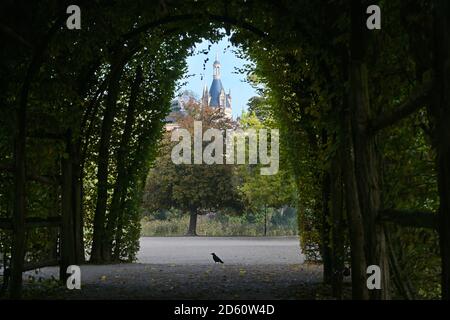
x,y
329,91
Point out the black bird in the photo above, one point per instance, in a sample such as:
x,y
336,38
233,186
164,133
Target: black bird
x,y
216,258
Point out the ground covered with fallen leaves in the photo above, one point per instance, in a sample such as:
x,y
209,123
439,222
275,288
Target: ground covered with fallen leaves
x,y
172,281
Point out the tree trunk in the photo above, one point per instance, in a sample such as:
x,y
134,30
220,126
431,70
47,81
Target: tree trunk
x,y
18,219
103,158
18,239
365,154
401,280
325,230
353,210
121,167
131,174
367,178
77,205
265,220
119,226
356,229
80,150
440,111
337,226
192,231
67,247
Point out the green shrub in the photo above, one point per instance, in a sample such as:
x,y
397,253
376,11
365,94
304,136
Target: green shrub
x,y
220,225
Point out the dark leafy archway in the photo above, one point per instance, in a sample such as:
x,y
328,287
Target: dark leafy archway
x,y
89,106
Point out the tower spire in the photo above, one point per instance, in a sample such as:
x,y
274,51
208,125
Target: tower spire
x,y
216,67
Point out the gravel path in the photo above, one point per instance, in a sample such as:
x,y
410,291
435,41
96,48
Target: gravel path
x,y
232,250
181,268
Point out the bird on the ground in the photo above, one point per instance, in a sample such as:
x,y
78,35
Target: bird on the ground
x,y
216,258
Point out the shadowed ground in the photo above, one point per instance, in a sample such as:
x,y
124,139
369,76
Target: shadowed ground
x,y
182,268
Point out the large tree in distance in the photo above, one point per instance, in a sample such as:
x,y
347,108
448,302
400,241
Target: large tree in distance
x,y
261,192
194,189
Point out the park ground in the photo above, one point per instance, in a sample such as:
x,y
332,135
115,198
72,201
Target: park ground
x,y
182,268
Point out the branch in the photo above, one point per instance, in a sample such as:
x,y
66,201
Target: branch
x,y
35,222
40,264
186,17
415,101
13,35
410,218
48,180
32,222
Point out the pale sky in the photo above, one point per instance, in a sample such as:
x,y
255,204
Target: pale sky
x,y
241,91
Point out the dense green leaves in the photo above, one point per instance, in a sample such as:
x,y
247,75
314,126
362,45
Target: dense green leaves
x,y
323,81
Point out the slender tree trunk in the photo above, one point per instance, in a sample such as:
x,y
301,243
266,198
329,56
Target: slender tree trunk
x,y
18,219
131,171
192,231
265,220
337,227
354,216
18,244
121,167
146,138
365,154
400,279
368,180
68,253
81,151
103,158
85,81
119,227
443,164
359,289
77,205
440,111
325,230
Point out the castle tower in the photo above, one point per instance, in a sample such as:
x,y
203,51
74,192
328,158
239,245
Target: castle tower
x,y
205,96
217,96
